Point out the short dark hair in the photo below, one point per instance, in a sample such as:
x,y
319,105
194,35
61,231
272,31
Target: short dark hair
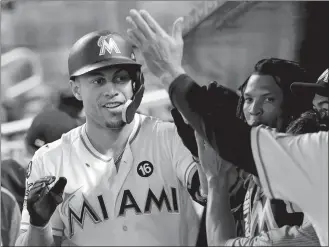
x,y
284,73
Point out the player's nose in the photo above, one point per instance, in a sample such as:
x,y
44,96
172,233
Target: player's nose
x,y
109,90
256,109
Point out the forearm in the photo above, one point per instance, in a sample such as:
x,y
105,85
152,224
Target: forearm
x,y
36,236
202,178
219,219
214,121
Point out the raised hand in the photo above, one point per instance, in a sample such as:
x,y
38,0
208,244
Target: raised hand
x,y
42,201
162,52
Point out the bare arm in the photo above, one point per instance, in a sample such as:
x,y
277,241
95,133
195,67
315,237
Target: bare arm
x,y
219,219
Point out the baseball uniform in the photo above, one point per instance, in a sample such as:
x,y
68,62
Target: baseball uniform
x,y
144,203
279,157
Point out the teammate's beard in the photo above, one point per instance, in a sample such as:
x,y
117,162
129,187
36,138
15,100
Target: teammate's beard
x,y
324,119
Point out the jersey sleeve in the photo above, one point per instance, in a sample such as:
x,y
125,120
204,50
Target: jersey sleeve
x,y
293,168
34,172
185,165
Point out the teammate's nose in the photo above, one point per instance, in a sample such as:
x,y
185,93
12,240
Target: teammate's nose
x,y
256,109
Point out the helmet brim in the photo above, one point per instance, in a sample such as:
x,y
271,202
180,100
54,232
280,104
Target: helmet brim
x,y
103,64
314,88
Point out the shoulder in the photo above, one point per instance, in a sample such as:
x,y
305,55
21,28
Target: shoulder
x,y
157,126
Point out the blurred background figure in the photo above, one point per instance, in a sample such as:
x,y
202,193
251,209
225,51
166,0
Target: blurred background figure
x,y
48,126
10,218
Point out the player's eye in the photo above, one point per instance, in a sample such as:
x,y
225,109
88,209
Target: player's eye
x,y
99,81
121,77
248,100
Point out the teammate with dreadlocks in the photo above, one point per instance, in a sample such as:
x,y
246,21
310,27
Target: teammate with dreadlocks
x,y
266,99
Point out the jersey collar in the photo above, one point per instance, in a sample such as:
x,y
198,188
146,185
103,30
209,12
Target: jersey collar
x,y
90,148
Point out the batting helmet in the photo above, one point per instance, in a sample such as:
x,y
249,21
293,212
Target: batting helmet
x,y
105,49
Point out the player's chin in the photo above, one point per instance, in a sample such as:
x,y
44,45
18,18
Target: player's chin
x,y
115,124
114,121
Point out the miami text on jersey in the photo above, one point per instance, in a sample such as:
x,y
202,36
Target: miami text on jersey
x,y
166,201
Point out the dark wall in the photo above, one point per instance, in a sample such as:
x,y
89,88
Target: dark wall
x,y
314,47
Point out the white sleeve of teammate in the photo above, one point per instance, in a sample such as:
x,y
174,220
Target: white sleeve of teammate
x,y
304,235
36,171
292,168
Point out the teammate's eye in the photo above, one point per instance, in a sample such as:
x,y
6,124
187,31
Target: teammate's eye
x,y
270,99
99,81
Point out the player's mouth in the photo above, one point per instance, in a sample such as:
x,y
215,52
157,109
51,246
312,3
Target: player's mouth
x,y
112,105
254,122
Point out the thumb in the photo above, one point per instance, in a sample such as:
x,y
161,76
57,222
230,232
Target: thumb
x,y
178,28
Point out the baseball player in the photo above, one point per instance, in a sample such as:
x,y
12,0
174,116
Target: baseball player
x,y
254,149
320,90
119,179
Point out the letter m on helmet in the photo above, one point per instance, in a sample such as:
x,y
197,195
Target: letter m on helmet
x,y
109,46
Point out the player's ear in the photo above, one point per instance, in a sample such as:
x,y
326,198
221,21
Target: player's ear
x,y
76,90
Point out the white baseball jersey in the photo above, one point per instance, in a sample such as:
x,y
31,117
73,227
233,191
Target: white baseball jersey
x,y
145,203
295,168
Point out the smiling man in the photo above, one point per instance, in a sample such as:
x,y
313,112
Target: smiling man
x,y
122,178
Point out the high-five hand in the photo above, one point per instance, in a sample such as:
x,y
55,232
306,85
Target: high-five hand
x,y
162,53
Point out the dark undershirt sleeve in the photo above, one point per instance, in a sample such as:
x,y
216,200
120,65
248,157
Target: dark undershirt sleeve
x,y
209,112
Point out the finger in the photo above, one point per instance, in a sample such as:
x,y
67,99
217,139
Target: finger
x,y
134,39
37,186
135,29
37,194
33,199
47,180
177,31
59,186
153,24
57,198
141,24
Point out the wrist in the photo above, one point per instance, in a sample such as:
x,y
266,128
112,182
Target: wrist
x,y
38,223
216,182
40,228
168,77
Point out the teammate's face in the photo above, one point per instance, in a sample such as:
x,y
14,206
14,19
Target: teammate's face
x,y
104,93
320,102
263,100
